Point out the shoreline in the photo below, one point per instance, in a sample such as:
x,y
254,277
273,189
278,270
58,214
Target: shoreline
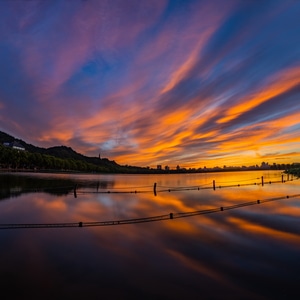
x,y
150,171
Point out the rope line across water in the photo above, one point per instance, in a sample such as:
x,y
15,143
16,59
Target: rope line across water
x,y
147,219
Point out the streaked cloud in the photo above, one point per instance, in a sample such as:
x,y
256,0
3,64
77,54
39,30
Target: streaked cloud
x,y
189,83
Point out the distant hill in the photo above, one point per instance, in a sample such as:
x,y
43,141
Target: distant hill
x,y
62,152
72,160
4,137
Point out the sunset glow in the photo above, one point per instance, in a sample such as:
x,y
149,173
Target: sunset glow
x,y
147,83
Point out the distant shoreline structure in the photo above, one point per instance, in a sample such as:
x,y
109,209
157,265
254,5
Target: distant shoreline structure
x,y
18,156
146,171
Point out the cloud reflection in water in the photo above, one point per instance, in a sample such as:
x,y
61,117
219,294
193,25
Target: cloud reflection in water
x,y
244,253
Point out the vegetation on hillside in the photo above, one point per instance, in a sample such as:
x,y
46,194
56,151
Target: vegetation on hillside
x,y
60,158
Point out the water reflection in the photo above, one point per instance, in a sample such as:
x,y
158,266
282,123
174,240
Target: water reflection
x,y
246,253
15,184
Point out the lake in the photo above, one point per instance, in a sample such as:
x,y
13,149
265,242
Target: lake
x,y
226,235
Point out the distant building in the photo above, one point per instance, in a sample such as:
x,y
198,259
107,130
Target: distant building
x,y
158,167
15,145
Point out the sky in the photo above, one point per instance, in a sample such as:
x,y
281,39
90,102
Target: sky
x,y
192,83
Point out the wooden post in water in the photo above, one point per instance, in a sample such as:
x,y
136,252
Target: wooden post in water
x,y
75,193
214,185
154,188
282,180
262,180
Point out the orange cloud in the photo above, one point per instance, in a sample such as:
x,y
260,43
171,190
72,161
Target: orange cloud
x,y
280,83
182,70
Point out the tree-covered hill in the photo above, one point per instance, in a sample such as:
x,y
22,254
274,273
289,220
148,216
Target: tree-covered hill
x,y
55,158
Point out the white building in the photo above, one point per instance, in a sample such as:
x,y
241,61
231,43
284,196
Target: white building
x,y
15,145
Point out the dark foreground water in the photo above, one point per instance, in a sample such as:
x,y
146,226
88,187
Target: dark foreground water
x,y
249,252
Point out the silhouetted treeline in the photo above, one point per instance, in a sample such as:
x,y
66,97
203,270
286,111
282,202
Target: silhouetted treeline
x,y
62,158
24,160
59,158
294,170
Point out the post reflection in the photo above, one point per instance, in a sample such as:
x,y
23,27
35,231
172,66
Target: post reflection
x,y
243,253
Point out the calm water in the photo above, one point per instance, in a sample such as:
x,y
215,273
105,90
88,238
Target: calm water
x,y
250,252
